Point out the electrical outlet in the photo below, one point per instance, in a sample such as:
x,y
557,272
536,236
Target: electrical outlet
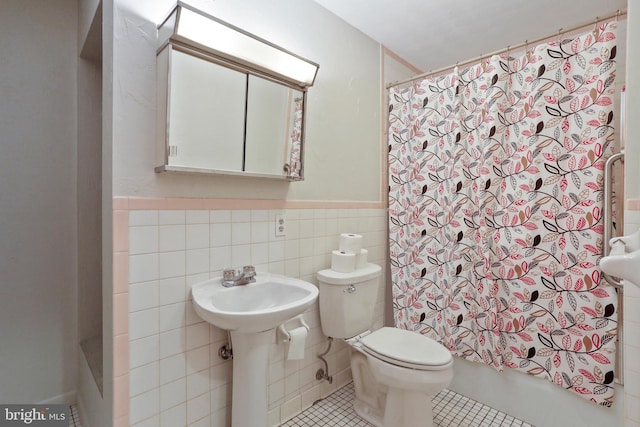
x,y
281,225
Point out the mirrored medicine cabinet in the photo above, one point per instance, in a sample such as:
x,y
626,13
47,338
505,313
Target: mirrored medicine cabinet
x,y
228,102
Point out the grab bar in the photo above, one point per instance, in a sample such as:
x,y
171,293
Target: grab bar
x,y
608,212
608,231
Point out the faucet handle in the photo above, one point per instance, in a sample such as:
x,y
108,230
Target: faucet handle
x,y
249,270
228,274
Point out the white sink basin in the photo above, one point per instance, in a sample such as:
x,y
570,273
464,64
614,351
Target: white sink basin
x,y
255,307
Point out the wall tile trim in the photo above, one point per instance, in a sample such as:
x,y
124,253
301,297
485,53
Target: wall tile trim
x,y
170,203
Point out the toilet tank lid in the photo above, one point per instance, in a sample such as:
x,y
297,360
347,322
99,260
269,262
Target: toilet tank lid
x,y
369,271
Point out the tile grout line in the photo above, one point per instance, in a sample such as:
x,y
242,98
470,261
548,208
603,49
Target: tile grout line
x,y
450,410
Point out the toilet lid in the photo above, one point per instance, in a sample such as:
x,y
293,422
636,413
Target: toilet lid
x,y
406,348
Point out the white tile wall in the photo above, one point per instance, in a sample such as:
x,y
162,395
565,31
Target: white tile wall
x,y
631,329
176,375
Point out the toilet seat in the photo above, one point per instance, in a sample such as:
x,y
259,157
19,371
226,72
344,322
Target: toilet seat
x,y
406,349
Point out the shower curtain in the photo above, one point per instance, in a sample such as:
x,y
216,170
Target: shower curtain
x,y
495,210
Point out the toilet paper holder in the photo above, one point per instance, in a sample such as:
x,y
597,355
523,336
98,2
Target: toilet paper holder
x,y
282,333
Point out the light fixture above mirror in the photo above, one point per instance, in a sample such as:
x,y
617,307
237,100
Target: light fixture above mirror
x,y
193,28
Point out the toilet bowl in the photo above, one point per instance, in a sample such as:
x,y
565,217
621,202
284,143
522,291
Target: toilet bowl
x,y
395,372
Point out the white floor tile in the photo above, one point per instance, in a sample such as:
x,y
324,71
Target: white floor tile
x,y
450,410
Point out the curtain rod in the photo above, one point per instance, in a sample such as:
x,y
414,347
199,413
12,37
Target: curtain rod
x,y
526,43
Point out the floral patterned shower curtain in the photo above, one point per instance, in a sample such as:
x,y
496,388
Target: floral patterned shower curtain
x,y
496,176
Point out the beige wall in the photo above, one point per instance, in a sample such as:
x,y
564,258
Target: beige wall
x,y
86,11
37,199
342,151
89,217
342,192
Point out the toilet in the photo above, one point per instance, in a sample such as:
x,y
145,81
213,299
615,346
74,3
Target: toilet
x,y
395,372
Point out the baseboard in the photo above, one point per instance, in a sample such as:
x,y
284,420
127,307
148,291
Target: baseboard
x,y
68,397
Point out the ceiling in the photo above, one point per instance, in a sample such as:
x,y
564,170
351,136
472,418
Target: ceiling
x,y
432,34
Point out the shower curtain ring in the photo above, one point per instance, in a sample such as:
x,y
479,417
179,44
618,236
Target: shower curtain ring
x,y
595,26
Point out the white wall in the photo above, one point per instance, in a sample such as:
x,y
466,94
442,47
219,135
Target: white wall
x,y
632,219
631,332
89,216
632,171
342,128
93,398
176,375
37,200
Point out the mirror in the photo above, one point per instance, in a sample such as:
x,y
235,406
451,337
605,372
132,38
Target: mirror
x,y
224,120
219,112
205,115
269,125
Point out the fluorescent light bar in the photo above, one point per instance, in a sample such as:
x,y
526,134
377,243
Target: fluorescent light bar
x,y
201,31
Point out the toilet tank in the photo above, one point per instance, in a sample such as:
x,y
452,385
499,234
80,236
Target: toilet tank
x,y
348,300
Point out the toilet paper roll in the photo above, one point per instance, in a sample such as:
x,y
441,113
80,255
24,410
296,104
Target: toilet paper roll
x,y
361,258
343,262
350,243
298,336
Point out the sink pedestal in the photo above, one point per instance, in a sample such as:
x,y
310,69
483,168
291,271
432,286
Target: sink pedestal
x,y
252,312
249,404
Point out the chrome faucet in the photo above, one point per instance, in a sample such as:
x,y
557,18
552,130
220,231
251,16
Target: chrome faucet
x,y
231,277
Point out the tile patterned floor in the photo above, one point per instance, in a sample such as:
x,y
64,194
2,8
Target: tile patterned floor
x,y
335,410
450,410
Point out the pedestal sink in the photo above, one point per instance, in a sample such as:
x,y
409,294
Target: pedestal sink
x,y
251,312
